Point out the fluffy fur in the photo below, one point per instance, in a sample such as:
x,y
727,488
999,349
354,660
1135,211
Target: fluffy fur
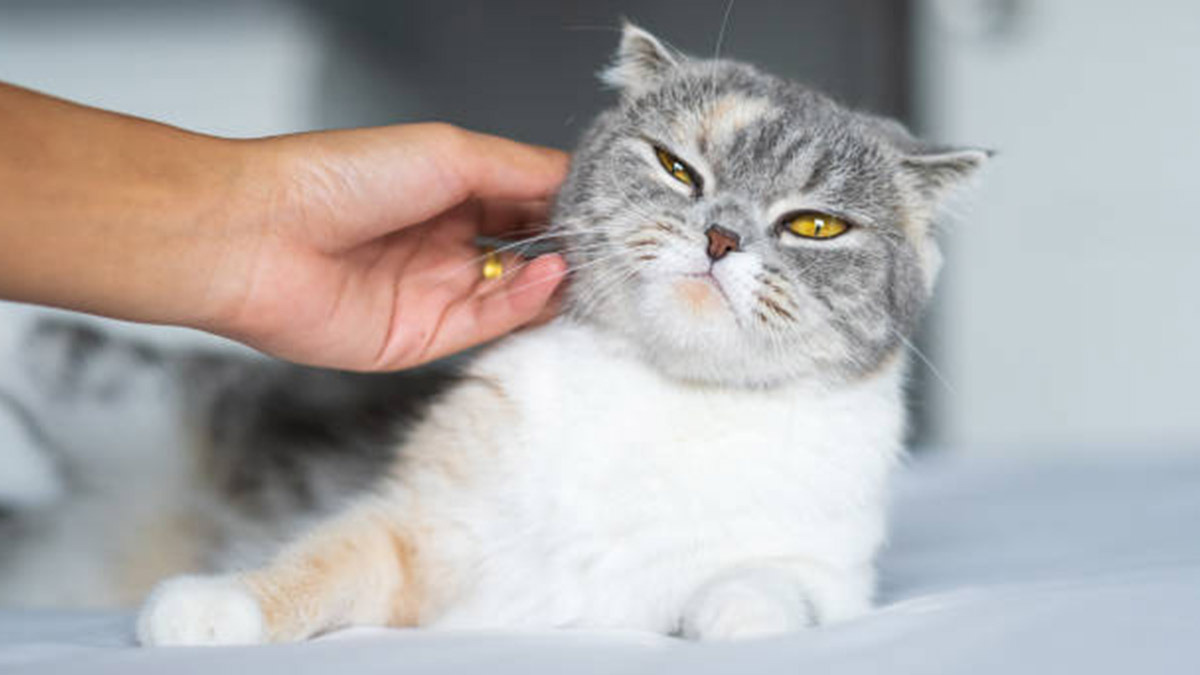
x,y
565,484
700,445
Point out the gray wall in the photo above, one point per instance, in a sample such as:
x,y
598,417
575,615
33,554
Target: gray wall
x,y
524,68
1069,317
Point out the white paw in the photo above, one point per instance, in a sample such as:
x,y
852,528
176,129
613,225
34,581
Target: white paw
x,y
739,609
201,611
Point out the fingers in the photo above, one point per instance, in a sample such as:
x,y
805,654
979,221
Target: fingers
x,y
551,309
361,184
444,166
491,167
494,310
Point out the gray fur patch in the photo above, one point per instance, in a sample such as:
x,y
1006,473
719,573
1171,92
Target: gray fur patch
x,y
271,439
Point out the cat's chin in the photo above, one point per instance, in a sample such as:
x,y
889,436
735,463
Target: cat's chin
x,y
713,352
727,375
692,311
685,327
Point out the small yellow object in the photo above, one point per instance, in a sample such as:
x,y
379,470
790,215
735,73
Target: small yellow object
x,y
492,267
813,225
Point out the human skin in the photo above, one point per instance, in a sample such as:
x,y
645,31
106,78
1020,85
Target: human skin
x,y
347,249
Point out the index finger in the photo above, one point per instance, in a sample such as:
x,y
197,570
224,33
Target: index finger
x,y
446,166
491,167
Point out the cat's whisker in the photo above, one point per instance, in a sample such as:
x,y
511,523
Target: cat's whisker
x,y
585,27
721,32
512,270
538,235
924,359
565,273
717,50
596,261
602,284
572,250
533,228
478,260
599,282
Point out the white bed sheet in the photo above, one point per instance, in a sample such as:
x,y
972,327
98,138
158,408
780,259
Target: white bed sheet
x,y
994,567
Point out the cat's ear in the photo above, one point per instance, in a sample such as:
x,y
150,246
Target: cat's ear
x,y
937,173
641,62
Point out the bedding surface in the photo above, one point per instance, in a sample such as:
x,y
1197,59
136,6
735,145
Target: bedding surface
x,y
1022,565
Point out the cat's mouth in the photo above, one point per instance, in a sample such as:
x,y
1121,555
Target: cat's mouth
x,y
701,294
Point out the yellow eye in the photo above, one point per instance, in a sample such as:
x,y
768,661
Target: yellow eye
x,y
812,225
678,170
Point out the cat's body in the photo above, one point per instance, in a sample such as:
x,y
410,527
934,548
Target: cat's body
x,y
563,484
700,444
610,497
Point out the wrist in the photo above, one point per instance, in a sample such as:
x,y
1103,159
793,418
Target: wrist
x,y
236,203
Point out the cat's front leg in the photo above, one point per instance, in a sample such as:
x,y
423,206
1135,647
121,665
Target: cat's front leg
x,y
774,596
359,569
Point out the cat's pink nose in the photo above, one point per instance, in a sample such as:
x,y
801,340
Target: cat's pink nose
x,y
721,241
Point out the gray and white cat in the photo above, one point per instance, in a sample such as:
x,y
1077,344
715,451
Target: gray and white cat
x,y
699,446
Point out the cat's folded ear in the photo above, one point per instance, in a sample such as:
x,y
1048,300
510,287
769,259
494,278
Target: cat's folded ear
x,y
936,173
641,63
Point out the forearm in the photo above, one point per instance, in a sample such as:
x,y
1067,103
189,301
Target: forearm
x,y
116,215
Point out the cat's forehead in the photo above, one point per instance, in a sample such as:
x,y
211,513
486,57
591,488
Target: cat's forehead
x,y
712,101
694,111
717,121
772,139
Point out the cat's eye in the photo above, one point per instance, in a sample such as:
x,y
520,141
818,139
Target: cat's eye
x,y
678,169
815,225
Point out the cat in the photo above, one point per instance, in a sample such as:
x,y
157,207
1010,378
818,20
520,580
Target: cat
x,y
698,446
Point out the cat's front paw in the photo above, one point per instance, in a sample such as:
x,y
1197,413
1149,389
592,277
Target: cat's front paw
x,y
196,610
744,608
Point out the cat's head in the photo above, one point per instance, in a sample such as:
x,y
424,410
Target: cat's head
x,y
744,230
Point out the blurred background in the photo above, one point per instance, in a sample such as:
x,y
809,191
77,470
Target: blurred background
x,y
1064,323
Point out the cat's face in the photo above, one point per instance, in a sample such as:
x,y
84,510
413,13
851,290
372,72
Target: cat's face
x,y
743,230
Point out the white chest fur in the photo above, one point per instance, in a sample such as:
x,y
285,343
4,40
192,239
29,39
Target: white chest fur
x,y
617,491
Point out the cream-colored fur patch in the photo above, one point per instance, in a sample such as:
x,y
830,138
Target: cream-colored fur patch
x,y
731,113
698,296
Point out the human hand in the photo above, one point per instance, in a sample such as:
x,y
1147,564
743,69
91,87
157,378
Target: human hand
x,y
346,249
356,249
